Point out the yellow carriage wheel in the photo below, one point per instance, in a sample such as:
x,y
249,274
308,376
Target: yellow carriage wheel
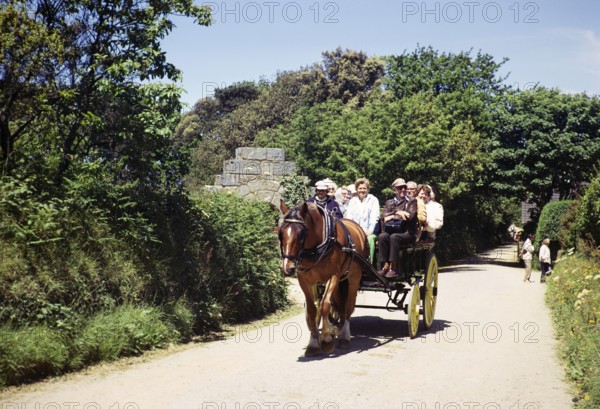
x,y
413,311
431,289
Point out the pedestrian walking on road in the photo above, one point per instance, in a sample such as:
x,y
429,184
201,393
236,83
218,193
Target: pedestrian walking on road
x,y
527,256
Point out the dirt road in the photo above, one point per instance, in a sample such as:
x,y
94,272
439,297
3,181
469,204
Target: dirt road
x,y
491,347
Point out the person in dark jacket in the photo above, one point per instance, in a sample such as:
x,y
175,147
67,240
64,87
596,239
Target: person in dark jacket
x,y
324,201
399,227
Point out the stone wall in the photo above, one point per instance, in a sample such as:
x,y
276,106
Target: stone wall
x,y
255,174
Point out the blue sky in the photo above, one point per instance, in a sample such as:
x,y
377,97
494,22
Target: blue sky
x,y
550,42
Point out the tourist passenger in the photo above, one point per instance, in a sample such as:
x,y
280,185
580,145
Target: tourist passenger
x,y
399,227
352,190
343,196
331,187
364,210
411,188
325,202
435,213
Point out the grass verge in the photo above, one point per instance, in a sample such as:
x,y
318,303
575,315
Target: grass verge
x,y
574,299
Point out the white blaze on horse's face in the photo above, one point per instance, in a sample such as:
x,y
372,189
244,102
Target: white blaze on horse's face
x,y
291,246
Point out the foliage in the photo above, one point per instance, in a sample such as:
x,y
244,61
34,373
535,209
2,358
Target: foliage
x,y
550,223
61,251
30,353
427,70
126,331
567,232
295,190
351,75
574,297
93,96
588,217
547,142
245,277
34,352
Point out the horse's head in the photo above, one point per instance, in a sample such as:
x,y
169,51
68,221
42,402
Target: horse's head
x,y
292,234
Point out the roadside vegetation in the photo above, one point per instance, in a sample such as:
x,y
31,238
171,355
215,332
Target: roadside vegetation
x,y
574,298
109,243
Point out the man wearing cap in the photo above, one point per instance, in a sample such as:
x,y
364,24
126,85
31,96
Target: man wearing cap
x,y
324,201
399,227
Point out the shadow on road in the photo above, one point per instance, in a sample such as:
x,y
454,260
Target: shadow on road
x,y
370,332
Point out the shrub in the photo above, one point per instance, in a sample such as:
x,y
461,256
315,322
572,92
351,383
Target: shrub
x,y
588,217
59,251
244,257
567,233
181,317
295,190
30,353
549,224
126,331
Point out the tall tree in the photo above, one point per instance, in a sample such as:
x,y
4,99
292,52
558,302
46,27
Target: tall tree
x,y
29,53
351,75
547,142
427,70
93,91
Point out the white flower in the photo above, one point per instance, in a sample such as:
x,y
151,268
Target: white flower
x,y
583,293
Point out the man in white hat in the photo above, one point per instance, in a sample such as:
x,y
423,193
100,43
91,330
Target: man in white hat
x,y
324,201
399,227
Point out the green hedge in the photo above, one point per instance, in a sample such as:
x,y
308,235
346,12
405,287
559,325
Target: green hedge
x,y
97,276
549,224
243,256
588,217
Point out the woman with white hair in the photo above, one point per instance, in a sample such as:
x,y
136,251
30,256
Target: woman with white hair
x,y
545,259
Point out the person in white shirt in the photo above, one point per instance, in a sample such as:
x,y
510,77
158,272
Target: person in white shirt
x,y
527,256
435,213
545,259
364,210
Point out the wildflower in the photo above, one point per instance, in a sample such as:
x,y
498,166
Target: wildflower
x,y
556,278
588,277
597,277
586,397
583,293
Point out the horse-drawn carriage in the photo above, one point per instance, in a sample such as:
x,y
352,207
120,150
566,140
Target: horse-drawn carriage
x,y
331,260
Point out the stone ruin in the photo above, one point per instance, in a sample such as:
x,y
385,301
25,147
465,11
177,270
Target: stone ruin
x,y
255,174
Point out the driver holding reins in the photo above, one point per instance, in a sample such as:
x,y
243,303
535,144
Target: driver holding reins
x,y
324,201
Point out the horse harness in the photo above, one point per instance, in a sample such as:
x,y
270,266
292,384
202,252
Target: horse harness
x,y
324,248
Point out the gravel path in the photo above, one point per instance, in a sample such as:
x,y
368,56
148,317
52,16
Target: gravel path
x,y
491,347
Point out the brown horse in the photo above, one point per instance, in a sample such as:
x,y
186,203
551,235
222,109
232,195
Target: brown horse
x,y
319,250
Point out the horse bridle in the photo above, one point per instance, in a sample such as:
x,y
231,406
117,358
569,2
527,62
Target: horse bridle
x,y
301,238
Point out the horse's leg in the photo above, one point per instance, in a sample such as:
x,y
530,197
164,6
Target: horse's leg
x,y
348,307
313,347
327,335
